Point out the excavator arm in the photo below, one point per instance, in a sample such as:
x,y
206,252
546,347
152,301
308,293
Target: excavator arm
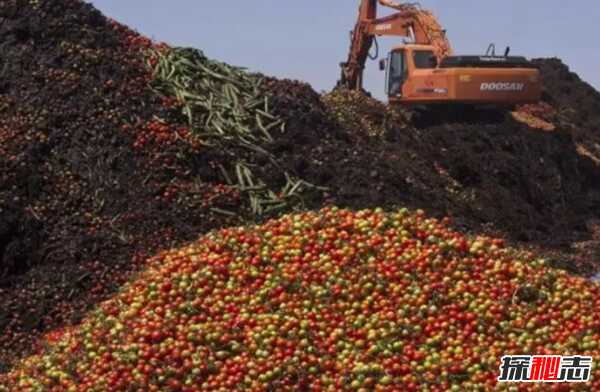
x,y
408,21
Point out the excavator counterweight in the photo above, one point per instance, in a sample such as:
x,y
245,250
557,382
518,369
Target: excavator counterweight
x,y
425,71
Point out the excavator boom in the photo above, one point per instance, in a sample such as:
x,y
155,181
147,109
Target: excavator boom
x,y
408,21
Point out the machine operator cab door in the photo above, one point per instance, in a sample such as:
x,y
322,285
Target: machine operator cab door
x,y
396,73
409,71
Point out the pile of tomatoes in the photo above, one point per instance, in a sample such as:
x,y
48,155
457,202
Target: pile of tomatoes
x,y
329,300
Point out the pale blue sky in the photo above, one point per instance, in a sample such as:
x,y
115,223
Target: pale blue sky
x,y
307,39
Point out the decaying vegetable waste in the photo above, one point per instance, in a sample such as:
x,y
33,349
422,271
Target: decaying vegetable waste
x,y
118,154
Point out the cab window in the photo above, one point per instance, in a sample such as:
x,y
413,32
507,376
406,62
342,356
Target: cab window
x,y
424,59
397,72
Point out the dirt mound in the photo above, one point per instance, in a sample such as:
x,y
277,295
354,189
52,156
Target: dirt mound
x,y
94,175
577,103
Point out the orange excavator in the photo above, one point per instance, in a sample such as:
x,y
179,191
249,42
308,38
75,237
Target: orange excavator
x,y
424,71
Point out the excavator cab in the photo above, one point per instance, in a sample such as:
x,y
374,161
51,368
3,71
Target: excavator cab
x,y
404,63
400,65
